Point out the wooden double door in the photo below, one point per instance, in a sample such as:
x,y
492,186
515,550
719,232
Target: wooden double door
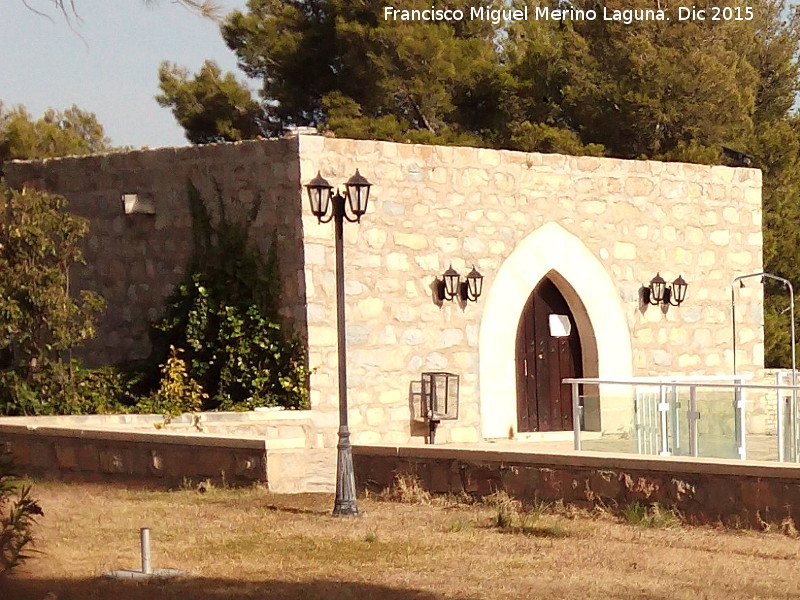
x,y
548,350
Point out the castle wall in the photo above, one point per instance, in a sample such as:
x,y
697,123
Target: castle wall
x,y
600,228
436,206
135,261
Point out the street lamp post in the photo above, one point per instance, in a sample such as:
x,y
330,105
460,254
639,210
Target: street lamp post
x,y
788,285
322,198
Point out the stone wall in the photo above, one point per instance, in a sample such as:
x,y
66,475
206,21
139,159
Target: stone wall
x,y
601,227
65,448
163,460
135,261
736,493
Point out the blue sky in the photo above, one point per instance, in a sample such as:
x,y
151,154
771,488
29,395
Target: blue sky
x,y
107,62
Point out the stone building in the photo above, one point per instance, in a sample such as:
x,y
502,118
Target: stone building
x,y
575,237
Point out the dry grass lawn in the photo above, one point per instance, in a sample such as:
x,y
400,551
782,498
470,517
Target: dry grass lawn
x,y
252,544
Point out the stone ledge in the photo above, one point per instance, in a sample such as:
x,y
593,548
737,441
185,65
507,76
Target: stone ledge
x,y
163,460
588,459
738,494
160,437
226,417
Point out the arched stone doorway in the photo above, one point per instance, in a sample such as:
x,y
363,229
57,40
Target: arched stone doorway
x,y
595,305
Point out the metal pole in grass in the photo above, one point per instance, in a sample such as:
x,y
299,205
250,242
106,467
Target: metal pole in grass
x,y
322,197
787,284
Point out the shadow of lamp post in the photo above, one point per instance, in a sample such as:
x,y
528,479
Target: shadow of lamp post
x,y
326,206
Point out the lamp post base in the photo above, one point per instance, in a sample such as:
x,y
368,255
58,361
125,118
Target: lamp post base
x,y
345,503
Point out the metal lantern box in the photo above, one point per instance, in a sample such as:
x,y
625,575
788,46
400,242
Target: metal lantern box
x,y
439,398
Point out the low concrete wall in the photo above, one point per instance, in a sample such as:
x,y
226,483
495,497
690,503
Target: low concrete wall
x,y
149,458
281,428
737,493
113,451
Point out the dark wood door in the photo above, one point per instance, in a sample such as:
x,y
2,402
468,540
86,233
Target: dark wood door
x,y
543,360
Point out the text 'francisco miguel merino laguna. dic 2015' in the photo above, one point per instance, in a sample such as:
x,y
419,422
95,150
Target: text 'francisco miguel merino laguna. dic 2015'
x,y
537,13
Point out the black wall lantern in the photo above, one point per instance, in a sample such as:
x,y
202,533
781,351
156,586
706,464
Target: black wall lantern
x,y
439,400
451,285
660,292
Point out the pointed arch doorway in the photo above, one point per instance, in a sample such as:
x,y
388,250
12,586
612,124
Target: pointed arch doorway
x,y
548,351
553,252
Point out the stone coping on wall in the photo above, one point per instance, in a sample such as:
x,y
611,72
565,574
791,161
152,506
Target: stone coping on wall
x,y
226,417
155,436
586,459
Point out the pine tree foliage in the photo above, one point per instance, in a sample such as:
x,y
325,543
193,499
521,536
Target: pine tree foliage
x,y
211,107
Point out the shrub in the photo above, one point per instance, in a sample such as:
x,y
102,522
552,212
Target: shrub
x,y
39,314
225,317
18,512
177,394
649,515
58,388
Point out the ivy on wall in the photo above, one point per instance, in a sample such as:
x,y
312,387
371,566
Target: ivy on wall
x,y
225,317
219,345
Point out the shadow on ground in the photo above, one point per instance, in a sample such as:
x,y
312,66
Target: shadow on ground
x,y
22,588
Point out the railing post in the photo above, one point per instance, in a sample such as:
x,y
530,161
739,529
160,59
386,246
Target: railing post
x,y
793,420
638,420
576,416
675,422
779,417
663,408
693,417
740,417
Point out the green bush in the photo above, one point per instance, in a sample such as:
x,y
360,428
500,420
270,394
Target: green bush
x,y
177,394
18,512
225,318
58,388
40,315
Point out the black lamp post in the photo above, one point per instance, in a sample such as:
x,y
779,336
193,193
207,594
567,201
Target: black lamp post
x,y
321,196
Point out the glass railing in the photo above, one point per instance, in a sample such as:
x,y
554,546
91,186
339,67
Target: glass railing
x,y
683,416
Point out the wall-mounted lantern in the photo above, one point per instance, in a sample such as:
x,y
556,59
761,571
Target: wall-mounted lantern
x,y
451,286
439,399
660,292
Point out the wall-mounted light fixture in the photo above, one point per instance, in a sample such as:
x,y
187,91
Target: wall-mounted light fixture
x,y
132,204
451,285
439,400
660,292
